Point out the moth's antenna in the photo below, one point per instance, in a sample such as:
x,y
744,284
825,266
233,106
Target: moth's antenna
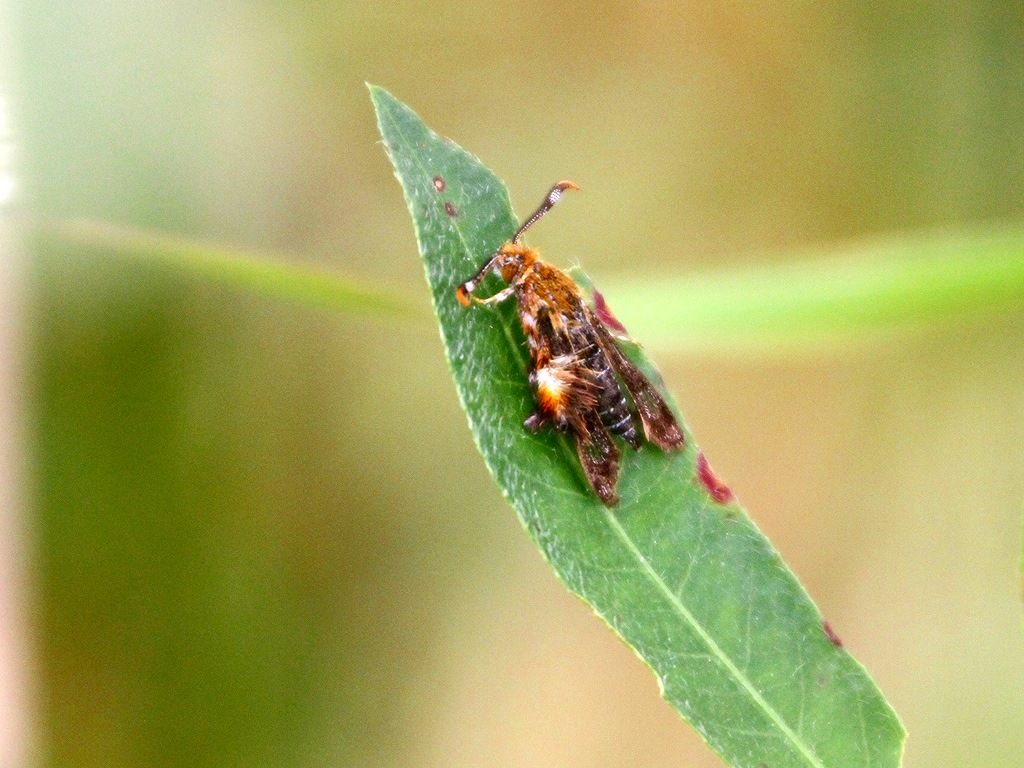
x,y
547,205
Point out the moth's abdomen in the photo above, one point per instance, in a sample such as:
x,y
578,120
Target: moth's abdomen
x,y
615,412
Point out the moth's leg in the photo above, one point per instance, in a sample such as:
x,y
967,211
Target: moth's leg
x,y
465,291
498,297
535,422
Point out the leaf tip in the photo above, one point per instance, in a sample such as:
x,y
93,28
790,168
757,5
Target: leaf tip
x,y
379,96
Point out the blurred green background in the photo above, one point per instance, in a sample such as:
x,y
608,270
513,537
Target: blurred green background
x,y
260,534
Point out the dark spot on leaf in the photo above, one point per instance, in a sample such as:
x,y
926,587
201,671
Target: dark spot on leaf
x,y
832,636
719,491
450,210
822,681
439,184
604,314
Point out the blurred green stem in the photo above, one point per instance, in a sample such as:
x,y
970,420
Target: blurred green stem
x,y
888,284
276,278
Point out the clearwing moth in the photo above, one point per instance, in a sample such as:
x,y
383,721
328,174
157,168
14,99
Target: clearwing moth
x,y
582,383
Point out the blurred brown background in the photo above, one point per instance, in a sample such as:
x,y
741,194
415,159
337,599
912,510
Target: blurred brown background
x,y
260,534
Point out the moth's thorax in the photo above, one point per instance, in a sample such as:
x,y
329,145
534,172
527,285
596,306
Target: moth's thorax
x,y
546,290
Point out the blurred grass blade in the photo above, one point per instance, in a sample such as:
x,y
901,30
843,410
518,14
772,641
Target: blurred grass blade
x,y
677,569
887,284
275,278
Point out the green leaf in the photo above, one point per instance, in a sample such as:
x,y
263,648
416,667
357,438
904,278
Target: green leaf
x,y
688,582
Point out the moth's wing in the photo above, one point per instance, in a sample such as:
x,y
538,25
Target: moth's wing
x,y
599,457
660,425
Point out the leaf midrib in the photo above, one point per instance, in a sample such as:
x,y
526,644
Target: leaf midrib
x,y
717,653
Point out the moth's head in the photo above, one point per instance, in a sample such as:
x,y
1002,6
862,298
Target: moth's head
x,y
511,258
506,262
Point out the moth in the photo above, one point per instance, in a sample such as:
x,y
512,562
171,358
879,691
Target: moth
x,y
582,382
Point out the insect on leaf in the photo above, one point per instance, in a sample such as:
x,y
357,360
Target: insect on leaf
x,y
677,569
